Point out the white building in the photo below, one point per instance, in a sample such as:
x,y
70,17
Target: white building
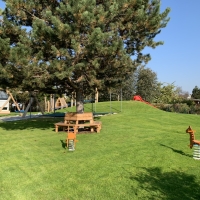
x,y
4,103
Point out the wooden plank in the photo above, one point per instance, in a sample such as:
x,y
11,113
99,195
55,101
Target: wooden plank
x,y
48,106
45,103
73,116
5,112
14,101
96,125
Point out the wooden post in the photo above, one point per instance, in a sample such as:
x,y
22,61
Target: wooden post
x,y
96,96
45,103
72,102
110,102
23,106
51,102
74,98
14,101
48,106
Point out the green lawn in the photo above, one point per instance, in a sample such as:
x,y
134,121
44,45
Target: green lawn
x,y
141,153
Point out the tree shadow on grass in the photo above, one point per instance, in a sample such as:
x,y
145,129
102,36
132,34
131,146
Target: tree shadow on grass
x,y
35,123
176,185
176,150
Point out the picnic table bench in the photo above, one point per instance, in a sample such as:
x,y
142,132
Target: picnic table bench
x,y
79,120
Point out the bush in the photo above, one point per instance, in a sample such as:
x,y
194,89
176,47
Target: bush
x,y
179,108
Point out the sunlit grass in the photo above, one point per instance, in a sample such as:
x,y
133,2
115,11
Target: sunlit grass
x,y
141,153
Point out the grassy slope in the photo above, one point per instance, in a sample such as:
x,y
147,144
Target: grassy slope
x,y
141,153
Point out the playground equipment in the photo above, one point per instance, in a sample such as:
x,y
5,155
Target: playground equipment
x,y
194,143
4,103
60,103
71,140
192,137
53,104
5,98
139,98
32,99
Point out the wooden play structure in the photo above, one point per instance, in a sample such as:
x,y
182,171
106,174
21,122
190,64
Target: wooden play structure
x,y
53,104
60,103
194,143
4,103
32,99
76,121
5,98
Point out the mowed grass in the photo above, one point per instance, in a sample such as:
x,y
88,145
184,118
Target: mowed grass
x,y
140,153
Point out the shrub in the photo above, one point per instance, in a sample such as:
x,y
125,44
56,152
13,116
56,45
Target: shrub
x,y
177,107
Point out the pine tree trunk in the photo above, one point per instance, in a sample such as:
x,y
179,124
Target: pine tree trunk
x,y
79,101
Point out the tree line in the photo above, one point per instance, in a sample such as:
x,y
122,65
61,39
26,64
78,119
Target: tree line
x,y
144,82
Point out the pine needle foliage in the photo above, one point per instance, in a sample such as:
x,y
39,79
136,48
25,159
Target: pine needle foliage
x,y
76,45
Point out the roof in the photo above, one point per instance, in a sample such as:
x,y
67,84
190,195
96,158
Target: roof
x,y
195,99
3,95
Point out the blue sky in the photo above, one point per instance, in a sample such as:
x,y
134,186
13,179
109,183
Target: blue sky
x,y
178,60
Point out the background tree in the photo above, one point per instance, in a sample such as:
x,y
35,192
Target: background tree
x,y
128,88
146,84
9,37
124,90
184,97
173,99
196,93
78,45
169,93
182,94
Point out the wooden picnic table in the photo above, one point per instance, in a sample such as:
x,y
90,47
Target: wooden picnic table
x,y
79,120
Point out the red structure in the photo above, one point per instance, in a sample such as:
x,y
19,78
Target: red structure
x,y
139,98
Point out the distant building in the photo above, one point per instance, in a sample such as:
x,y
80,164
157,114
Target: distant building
x,y
196,101
4,102
3,95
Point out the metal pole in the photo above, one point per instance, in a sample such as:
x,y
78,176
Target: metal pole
x,y
121,99
110,103
95,101
30,105
54,102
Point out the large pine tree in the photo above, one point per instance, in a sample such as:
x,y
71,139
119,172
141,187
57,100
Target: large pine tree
x,y
72,45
